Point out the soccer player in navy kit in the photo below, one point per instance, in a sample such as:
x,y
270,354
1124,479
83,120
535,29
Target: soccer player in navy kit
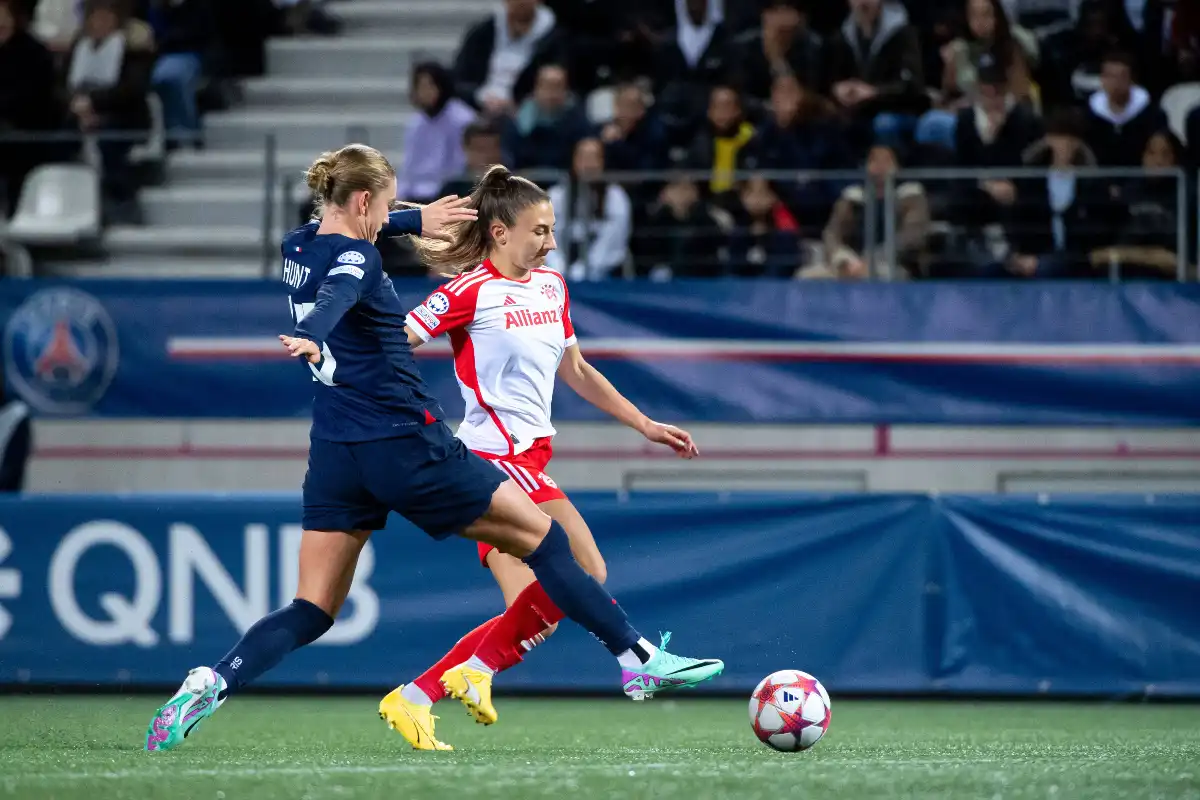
x,y
378,444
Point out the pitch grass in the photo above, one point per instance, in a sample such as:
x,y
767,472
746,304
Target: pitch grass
x,y
273,748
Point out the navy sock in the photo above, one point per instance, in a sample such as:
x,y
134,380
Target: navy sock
x,y
269,640
578,594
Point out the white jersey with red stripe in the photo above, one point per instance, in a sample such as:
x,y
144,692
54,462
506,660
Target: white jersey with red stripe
x,y
508,339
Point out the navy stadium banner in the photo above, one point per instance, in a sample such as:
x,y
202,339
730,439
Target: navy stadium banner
x,y
728,351
886,593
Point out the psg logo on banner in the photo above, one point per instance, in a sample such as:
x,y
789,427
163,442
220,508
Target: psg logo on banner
x,y
61,351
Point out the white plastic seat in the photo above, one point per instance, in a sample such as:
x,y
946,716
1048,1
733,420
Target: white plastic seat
x,y
1177,102
59,205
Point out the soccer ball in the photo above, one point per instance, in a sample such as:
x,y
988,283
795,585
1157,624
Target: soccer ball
x,y
789,710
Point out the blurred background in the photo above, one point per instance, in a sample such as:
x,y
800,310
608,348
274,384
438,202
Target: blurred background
x,y
920,277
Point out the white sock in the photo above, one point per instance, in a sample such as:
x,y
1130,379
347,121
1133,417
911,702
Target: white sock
x,y
415,694
631,660
474,663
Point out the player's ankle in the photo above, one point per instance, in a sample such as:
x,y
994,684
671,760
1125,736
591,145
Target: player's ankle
x,y
640,654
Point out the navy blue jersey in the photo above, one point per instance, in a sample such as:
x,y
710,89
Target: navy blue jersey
x,y
367,383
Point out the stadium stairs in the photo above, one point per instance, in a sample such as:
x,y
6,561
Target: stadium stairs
x,y
206,218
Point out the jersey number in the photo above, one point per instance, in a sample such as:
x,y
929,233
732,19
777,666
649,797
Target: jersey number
x,y
323,370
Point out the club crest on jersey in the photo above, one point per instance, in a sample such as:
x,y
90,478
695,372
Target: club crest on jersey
x,y
351,257
438,303
550,291
61,350
525,318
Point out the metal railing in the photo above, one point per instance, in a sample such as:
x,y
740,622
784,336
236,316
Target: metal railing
x,y
876,234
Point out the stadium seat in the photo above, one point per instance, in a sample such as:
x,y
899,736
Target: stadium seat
x,y
155,148
59,205
15,261
1177,102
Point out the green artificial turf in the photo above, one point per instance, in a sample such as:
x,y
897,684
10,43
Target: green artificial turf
x,y
264,748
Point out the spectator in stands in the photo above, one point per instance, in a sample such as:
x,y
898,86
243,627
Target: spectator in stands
x,y
433,150
845,238
28,102
988,32
996,128
1121,115
766,242
801,133
184,31
610,41
1057,221
717,145
697,56
876,69
481,144
548,125
1148,216
783,45
499,59
635,139
1077,64
107,78
1185,41
684,235
594,220
16,440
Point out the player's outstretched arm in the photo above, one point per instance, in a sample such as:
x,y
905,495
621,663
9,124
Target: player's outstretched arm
x,y
587,382
433,221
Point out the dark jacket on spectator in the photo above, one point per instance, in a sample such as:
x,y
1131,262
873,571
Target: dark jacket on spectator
x,y
691,247
805,58
645,148
769,254
891,62
184,27
1086,223
28,100
473,61
806,146
121,106
681,90
1118,138
1146,219
1021,128
533,140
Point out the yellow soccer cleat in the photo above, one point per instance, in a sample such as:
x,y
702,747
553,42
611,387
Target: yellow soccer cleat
x,y
412,721
473,689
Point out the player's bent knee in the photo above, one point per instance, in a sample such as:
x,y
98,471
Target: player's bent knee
x,y
512,523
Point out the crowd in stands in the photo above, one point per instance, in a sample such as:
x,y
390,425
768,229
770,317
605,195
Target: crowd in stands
x,y
70,69
720,97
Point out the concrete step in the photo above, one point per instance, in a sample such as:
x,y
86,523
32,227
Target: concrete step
x,y
311,129
243,166
427,17
374,57
215,207
369,94
174,241
157,267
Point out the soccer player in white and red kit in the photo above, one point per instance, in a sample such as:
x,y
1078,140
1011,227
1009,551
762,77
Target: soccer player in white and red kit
x,y
509,324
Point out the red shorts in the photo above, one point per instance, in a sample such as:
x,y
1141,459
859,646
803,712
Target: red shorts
x,y
528,470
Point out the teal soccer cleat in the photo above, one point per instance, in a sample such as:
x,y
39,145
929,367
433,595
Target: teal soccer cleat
x,y
195,702
666,671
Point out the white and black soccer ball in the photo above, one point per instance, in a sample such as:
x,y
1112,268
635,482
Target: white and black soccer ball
x,y
789,711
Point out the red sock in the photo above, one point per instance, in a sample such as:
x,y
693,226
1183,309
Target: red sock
x,y
430,681
518,629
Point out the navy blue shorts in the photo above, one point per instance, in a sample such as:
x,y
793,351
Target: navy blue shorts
x,y
428,477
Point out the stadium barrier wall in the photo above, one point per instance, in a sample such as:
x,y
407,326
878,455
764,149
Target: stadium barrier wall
x,y
1059,595
1018,353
